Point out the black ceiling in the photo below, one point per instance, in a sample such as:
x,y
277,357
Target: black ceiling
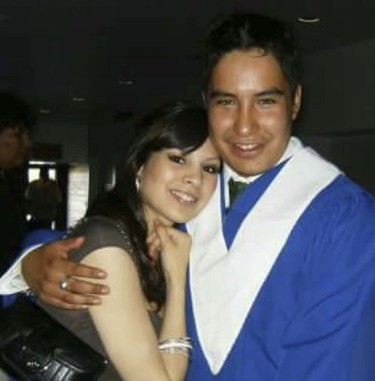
x,y
55,50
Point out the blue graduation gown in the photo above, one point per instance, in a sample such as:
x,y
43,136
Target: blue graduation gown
x,y
314,317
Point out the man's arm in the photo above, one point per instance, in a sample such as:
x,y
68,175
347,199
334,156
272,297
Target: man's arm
x,y
12,280
44,267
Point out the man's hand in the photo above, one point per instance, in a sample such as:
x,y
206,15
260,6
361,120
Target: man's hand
x,y
45,267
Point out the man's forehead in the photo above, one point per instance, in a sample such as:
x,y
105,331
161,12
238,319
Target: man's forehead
x,y
248,68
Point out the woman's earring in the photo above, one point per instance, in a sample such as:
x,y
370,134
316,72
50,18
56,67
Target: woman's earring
x,y
137,182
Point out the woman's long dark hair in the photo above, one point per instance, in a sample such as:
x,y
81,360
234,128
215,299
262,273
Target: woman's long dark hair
x,y
178,125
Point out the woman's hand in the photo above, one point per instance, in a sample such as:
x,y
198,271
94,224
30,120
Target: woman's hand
x,y
174,251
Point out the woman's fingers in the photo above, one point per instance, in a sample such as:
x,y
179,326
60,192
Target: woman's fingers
x,y
175,248
172,238
154,245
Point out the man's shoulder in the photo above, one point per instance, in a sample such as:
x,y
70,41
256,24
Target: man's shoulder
x,y
344,197
344,186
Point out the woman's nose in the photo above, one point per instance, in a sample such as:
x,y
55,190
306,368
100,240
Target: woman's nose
x,y
193,177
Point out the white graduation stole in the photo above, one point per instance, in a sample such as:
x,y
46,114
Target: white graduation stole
x,y
225,282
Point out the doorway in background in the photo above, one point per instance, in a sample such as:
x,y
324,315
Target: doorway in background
x,y
33,174
73,181
78,192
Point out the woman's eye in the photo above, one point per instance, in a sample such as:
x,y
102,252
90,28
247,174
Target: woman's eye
x,y
177,159
213,169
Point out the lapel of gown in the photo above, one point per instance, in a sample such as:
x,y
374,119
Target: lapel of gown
x,y
233,254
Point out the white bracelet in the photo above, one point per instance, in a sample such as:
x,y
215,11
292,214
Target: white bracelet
x,y
179,345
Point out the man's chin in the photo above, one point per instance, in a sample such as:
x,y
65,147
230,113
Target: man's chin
x,y
247,170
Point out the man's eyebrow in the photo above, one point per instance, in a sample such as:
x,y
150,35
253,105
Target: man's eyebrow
x,y
272,91
220,93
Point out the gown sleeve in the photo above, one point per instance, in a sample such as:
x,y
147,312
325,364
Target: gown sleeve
x,y
332,335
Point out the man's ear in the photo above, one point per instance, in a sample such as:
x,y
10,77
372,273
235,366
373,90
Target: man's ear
x,y
297,100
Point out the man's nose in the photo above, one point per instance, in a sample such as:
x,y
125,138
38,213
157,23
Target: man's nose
x,y
246,120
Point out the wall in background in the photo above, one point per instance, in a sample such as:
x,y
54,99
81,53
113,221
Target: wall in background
x,y
354,155
338,117
340,90
72,137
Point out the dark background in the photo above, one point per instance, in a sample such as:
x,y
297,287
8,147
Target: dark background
x,y
91,67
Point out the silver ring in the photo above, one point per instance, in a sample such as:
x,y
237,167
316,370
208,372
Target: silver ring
x,y
63,284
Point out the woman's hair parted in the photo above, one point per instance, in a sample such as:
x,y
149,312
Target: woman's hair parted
x,y
179,125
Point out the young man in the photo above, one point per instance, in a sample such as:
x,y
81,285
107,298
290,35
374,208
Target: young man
x,y
282,282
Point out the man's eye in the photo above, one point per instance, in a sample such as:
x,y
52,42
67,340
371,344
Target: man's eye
x,y
224,101
266,101
177,159
213,169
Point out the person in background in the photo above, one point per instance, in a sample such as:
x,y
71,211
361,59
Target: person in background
x,y
43,198
282,281
16,119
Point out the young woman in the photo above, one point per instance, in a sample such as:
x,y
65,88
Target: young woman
x,y
167,177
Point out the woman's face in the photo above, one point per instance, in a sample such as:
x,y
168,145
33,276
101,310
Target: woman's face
x,y
175,186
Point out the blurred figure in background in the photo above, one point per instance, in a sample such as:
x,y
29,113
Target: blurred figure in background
x,y
43,198
16,118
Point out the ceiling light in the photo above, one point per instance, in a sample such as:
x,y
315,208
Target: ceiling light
x,y
125,82
309,20
78,99
45,111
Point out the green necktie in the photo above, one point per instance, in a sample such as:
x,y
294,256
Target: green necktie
x,y
235,188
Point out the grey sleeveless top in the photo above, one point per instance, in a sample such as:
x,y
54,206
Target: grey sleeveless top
x,y
99,232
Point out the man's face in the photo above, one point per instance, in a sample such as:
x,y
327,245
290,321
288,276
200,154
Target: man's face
x,y
250,110
14,145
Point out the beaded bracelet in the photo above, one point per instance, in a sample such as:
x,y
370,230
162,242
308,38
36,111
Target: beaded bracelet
x,y
178,345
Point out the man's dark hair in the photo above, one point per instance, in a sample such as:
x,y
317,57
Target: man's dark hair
x,y
246,31
15,113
